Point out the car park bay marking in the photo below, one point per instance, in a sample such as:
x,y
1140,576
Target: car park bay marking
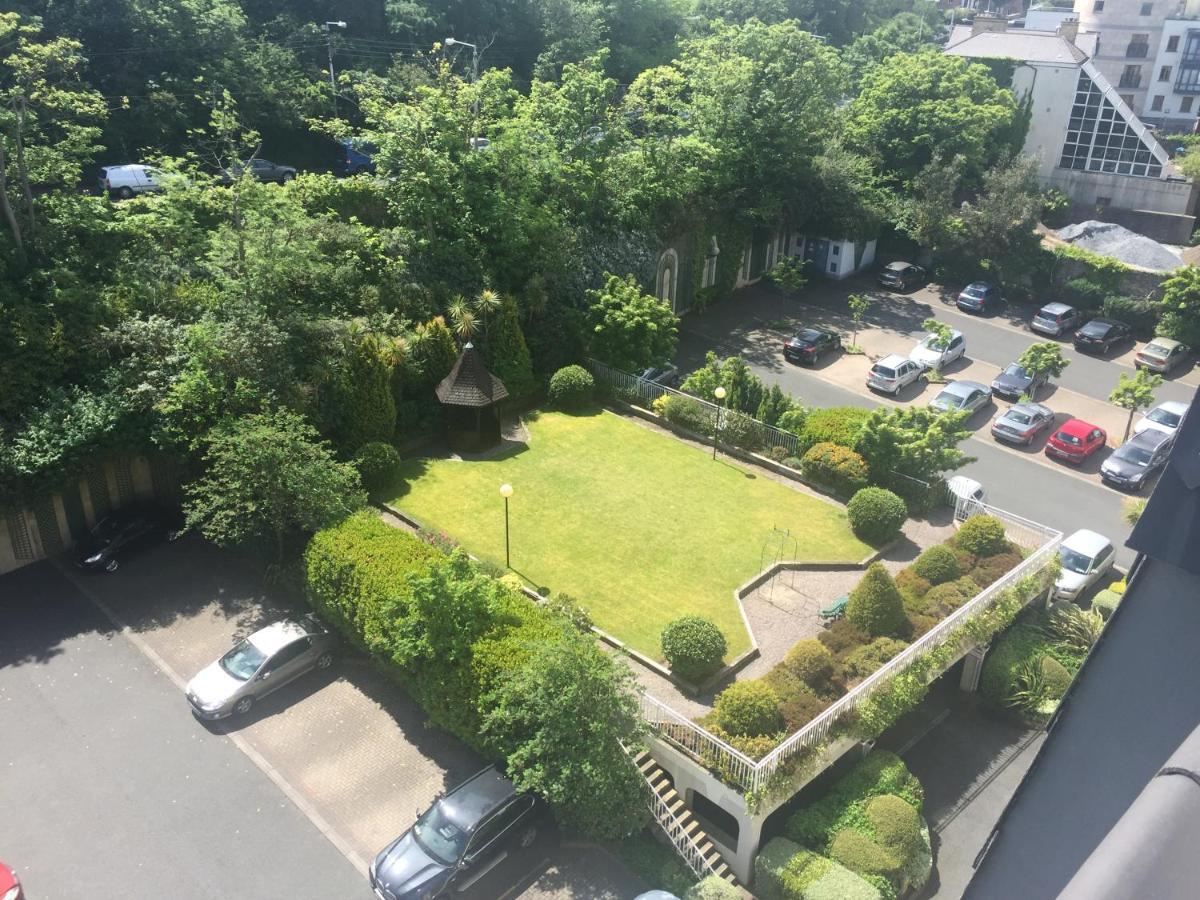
x,y
301,802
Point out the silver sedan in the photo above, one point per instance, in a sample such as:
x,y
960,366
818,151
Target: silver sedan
x,y
1022,422
262,663
962,396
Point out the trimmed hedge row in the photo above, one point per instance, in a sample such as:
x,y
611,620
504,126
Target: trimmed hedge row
x,y
784,870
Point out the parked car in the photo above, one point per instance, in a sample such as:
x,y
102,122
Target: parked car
x,y
478,143
934,353
1075,441
962,396
809,345
258,665
892,374
979,297
356,156
901,276
10,884
665,375
965,488
1022,423
1165,417
1055,319
1132,464
656,895
127,181
1086,557
458,839
1101,335
122,532
260,170
1016,381
1162,355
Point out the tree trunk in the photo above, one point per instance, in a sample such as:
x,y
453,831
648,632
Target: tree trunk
x,y
22,168
1128,424
10,216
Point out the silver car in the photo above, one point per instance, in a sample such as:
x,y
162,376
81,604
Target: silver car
x,y
892,374
262,663
1021,423
962,396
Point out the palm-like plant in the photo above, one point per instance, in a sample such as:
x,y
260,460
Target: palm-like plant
x,y
462,320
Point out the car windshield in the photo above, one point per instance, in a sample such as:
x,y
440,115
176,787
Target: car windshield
x,y
809,336
1048,316
439,837
1162,416
974,291
934,342
1016,371
1074,561
1018,417
1139,456
243,661
1156,351
883,371
1069,439
948,399
1095,329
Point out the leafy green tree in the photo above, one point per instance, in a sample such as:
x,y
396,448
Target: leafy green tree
x,y
744,391
926,211
858,304
912,441
269,477
508,353
1044,358
913,108
940,330
364,406
560,722
875,604
906,33
1134,393
789,274
1181,306
630,329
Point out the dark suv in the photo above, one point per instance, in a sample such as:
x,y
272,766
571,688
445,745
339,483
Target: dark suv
x,y
457,840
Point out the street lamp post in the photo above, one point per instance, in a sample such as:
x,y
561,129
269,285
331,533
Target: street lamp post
x,y
329,26
719,393
506,491
454,42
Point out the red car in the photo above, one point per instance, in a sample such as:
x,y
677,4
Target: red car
x,y
10,885
1075,441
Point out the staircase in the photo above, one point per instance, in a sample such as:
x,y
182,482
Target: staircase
x,y
677,821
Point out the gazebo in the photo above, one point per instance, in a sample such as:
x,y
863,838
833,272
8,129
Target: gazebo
x,y
470,394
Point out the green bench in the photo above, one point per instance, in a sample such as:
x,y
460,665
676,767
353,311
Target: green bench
x,y
836,609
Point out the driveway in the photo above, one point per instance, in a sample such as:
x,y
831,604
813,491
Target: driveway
x,y
347,747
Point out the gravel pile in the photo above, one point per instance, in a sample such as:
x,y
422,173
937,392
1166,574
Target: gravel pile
x,y
1120,243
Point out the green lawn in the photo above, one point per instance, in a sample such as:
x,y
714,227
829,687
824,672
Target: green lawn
x,y
637,526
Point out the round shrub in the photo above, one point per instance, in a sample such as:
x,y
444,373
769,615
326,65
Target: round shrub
x,y
1105,603
982,535
912,584
693,647
1021,643
862,662
834,425
748,708
572,388
811,662
1058,678
712,888
835,466
797,703
937,565
944,598
993,568
843,635
378,466
860,854
875,603
897,825
876,514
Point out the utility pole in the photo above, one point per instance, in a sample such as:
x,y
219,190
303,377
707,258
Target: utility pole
x,y
329,26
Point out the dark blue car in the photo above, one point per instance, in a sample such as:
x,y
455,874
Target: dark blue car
x,y
356,156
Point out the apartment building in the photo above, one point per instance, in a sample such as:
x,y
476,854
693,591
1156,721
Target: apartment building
x,y
1174,77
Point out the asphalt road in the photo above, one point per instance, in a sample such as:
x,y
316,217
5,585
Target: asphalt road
x,y
111,789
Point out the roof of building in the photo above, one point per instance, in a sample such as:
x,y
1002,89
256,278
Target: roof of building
x,y
470,383
1097,816
1019,43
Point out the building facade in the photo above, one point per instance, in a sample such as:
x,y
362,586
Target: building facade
x,y
1174,77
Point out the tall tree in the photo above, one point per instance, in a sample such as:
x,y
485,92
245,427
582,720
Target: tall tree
x,y
630,330
365,408
913,442
508,353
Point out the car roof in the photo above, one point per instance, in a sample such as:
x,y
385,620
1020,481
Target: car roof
x,y
1056,308
1165,343
807,328
278,635
1031,408
1150,439
1108,323
892,360
1086,541
1076,427
962,388
954,333
476,798
899,266
979,284
1174,406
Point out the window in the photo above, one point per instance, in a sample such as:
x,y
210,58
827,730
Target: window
x,y
837,250
1098,6
1101,139
1147,9
833,268
287,654
1173,43
1139,46
1164,74
1156,104
1185,104
1131,77
1127,99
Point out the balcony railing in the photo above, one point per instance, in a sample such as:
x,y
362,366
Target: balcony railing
x,y
1137,51
1130,80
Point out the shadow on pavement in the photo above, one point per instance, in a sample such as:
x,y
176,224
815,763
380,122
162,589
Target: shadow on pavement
x,y
40,611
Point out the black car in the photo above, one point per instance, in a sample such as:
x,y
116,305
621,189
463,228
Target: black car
x,y
1016,380
901,276
120,533
261,170
810,345
1101,335
1131,465
456,840
979,297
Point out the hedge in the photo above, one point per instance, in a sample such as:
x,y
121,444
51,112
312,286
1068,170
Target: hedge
x,y
937,565
712,888
836,467
834,425
785,871
876,514
688,414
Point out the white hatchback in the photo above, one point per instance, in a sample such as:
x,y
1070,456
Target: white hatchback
x,y
934,353
1165,418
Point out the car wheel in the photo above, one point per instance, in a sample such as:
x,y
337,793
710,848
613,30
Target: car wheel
x,y
528,836
125,193
111,566
243,705
325,660
288,176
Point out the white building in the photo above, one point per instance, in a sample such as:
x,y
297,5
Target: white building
x,y
1086,139
1130,32
1174,78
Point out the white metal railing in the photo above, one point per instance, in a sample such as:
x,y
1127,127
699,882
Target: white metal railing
x,y
675,828
740,770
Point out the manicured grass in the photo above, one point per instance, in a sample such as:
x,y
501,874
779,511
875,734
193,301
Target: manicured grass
x,y
637,526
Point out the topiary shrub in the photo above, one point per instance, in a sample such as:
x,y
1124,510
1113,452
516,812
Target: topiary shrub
x,y
860,854
862,662
713,887
836,467
572,388
943,599
937,565
748,708
919,623
687,413
876,514
992,568
1057,677
378,466
811,662
834,425
896,824
982,535
784,871
1105,603
875,603
693,647
843,635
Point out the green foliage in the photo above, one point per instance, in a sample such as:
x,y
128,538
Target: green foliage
x,y
1140,315
993,568
785,871
789,274
937,564
982,535
834,425
362,396
378,466
1056,677
1043,358
693,647
798,703
1181,306
712,888
836,467
876,514
843,635
508,353
857,305
656,863
1132,509
744,391
902,444
1105,603
875,603
945,598
775,404
572,388
1134,393
1075,630
857,852
1012,670
630,330
863,661
569,609
687,413
811,662
748,708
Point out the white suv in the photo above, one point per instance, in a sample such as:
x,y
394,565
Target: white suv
x,y
126,181
892,374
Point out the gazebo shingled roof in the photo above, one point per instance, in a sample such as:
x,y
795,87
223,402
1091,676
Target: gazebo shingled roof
x,y
470,383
